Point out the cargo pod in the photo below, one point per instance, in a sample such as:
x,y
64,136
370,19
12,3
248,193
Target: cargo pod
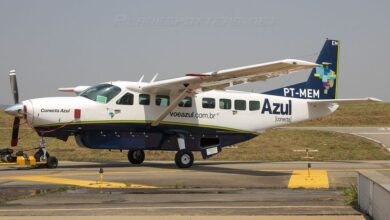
x,y
210,146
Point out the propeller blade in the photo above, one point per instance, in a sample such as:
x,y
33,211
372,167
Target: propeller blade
x,y
14,85
15,132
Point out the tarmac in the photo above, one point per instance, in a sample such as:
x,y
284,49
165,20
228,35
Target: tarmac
x,y
216,189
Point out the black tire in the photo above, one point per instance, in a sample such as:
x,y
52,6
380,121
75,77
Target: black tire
x,y
39,154
52,162
184,159
136,156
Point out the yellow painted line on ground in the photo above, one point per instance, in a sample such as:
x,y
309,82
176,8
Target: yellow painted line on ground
x,y
118,172
82,183
316,179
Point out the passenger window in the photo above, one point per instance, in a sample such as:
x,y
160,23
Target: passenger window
x,y
254,105
144,99
162,100
186,102
127,99
208,103
240,105
225,104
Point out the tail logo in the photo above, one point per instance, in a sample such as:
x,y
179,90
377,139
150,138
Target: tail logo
x,y
327,76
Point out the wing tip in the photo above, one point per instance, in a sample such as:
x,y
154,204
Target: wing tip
x,y
300,62
372,99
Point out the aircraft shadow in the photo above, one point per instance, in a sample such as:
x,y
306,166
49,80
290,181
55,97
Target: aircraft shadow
x,y
203,167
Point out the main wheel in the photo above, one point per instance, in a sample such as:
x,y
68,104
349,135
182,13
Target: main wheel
x,y
184,159
136,156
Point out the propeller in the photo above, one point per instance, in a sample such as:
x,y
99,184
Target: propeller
x,y
15,110
15,132
14,85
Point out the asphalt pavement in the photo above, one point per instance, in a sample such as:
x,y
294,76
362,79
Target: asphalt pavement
x,y
160,189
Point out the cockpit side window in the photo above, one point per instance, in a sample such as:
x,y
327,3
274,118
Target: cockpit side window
x,y
144,99
127,99
101,93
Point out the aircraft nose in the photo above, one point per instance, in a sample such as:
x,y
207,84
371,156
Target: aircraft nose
x,y
15,110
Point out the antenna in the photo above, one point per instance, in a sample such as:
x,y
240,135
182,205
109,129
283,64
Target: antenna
x,y
154,78
142,77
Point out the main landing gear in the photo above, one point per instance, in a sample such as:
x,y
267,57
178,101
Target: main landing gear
x,y
184,159
136,156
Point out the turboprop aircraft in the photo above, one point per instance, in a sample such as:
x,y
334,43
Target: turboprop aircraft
x,y
196,112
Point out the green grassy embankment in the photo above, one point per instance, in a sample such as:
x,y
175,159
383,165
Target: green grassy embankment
x,y
363,115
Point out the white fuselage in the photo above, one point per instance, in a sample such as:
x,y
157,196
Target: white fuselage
x,y
271,111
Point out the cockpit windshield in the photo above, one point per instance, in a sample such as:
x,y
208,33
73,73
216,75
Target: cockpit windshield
x,y
101,93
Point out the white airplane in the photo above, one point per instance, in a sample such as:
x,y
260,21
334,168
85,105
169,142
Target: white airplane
x,y
191,113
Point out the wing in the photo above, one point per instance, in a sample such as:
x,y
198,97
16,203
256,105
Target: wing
x,y
228,77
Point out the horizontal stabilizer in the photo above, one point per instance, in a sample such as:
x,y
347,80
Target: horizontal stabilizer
x,y
339,101
3,107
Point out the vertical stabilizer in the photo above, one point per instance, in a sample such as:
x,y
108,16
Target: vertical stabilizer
x,y
322,82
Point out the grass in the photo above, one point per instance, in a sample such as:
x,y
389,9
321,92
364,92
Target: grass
x,y
365,115
273,145
351,196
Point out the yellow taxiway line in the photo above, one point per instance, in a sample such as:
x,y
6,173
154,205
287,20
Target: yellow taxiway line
x,y
119,172
82,183
313,179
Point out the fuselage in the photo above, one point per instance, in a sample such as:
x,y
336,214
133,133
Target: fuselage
x,y
122,119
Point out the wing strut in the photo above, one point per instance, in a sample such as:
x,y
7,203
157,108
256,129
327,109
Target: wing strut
x,y
173,105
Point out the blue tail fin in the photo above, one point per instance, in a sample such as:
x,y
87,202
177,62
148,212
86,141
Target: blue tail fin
x,y
322,82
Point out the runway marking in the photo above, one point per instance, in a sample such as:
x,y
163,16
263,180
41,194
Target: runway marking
x,y
82,183
316,179
172,207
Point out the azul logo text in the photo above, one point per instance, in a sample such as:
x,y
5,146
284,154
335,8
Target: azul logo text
x,y
274,108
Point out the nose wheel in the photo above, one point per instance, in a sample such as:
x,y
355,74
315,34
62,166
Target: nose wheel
x,y
136,156
43,156
184,159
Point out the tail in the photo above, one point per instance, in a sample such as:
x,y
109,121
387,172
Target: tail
x,y
322,82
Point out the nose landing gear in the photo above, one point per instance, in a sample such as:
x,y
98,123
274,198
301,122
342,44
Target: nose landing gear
x,y
42,156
